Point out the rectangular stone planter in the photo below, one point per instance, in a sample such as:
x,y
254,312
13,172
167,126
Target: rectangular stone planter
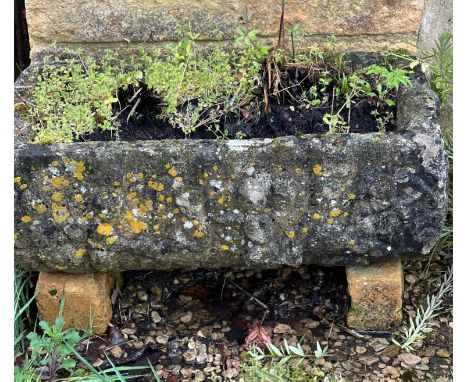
x,y
345,199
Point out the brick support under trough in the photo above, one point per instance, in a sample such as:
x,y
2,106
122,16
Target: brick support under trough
x,y
87,299
376,294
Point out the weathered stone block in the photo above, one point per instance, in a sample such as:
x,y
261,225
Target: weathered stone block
x,y
341,199
376,292
363,25
87,299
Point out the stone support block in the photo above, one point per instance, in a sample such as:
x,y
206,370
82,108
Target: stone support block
x,y
87,299
376,295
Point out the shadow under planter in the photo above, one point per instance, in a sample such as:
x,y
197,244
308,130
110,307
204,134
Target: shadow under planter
x,y
346,199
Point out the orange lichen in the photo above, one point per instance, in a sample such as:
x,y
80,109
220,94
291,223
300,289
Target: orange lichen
x,y
172,172
59,181
136,226
23,186
79,198
198,234
111,240
57,196
156,186
79,169
26,219
290,234
196,222
317,169
80,253
149,204
224,247
335,212
105,229
39,208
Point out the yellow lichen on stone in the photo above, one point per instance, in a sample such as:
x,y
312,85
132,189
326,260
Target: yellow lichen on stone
x,y
346,213
105,229
39,208
224,247
335,212
221,200
161,197
161,207
156,186
111,240
102,215
59,181
176,210
80,253
304,230
201,182
352,242
57,196
351,196
149,203
23,186
184,219
178,179
79,198
215,168
140,175
172,172
330,221
167,166
59,213
196,222
55,163
298,170
156,227
205,175
198,234
164,217
117,184
290,234
136,226
316,216
169,199
280,168
26,218
18,179
79,169
317,169
60,267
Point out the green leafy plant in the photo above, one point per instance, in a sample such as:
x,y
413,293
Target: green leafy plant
x,y
421,325
294,31
280,364
441,69
319,352
22,302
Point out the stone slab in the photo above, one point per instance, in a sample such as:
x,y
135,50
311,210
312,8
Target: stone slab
x,y
87,299
376,294
364,24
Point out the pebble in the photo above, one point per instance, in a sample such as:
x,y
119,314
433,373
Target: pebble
x,y
155,317
162,340
138,344
409,359
360,349
369,360
442,353
186,318
148,340
410,278
391,351
117,351
98,362
190,355
281,329
142,296
231,373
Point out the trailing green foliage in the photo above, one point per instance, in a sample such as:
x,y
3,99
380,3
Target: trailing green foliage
x,y
72,98
196,89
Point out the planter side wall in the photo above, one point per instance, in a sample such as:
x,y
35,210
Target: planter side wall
x,y
332,200
364,25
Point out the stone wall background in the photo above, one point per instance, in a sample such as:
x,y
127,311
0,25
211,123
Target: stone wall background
x,y
366,25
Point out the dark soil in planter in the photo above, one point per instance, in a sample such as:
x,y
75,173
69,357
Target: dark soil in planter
x,y
285,117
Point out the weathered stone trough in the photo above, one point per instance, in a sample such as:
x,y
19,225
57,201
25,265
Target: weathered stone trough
x,y
346,199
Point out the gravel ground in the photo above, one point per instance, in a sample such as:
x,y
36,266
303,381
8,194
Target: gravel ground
x,y
193,325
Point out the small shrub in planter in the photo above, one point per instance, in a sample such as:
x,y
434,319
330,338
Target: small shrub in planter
x,y
227,159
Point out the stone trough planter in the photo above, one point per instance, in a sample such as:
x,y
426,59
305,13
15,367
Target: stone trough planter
x,y
337,200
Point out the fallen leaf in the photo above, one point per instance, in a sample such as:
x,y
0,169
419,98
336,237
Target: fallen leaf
x,y
258,335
